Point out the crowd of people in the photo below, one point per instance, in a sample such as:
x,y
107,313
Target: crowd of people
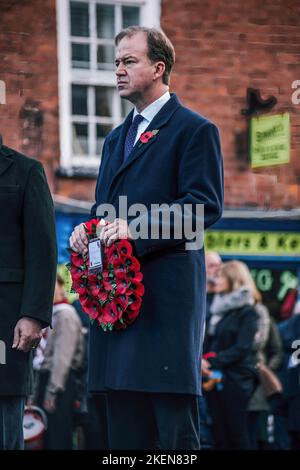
x,y
251,392
251,379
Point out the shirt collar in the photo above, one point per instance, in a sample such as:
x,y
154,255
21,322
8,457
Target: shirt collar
x,y
153,108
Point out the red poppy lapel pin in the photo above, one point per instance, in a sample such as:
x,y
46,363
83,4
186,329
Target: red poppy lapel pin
x,y
147,136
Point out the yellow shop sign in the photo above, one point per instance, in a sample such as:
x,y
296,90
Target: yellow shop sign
x,y
253,243
270,140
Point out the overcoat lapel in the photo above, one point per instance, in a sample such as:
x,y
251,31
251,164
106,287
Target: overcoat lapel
x,y
116,159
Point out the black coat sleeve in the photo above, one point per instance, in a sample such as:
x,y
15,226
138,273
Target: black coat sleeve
x,y
40,248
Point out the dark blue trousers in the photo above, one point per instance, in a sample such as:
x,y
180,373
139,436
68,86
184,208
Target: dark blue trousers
x,y
11,423
145,421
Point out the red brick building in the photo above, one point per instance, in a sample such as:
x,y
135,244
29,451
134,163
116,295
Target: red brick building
x,y
56,63
58,101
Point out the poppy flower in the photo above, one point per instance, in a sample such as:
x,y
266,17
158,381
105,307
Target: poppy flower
x,y
119,308
95,289
131,263
81,289
112,252
146,136
122,286
103,295
124,248
135,276
76,273
107,281
136,288
91,226
77,260
136,302
90,307
119,267
130,316
123,300
110,312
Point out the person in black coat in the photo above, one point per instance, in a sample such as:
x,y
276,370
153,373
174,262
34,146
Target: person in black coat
x,y
150,371
27,276
213,262
230,336
289,407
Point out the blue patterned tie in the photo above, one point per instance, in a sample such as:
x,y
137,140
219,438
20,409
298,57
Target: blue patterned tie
x,y
131,135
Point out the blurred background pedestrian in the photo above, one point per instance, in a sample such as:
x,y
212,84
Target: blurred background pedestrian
x,y
229,341
63,359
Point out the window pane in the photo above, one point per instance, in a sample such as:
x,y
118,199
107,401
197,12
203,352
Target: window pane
x,y
104,101
126,107
106,57
79,99
102,131
80,139
80,56
79,19
105,21
131,16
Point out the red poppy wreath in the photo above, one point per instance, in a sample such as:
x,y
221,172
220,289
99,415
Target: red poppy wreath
x,y
113,296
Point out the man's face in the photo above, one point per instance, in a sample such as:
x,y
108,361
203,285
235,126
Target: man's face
x,y
135,73
212,262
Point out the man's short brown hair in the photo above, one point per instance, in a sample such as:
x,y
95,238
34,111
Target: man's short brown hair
x,y
160,47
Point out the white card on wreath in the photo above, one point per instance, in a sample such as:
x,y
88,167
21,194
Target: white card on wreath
x,y
95,256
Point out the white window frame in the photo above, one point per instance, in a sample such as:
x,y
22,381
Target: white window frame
x,y
149,16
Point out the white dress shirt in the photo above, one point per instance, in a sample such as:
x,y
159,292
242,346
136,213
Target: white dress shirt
x,y
149,113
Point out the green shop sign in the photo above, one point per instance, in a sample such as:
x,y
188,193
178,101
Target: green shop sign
x,y
270,140
253,243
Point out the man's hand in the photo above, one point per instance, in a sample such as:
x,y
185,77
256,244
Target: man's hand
x,y
79,240
114,231
205,368
50,403
27,334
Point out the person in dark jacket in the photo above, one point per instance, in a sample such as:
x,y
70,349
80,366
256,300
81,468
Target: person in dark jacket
x,y
290,375
213,262
27,278
231,331
268,348
63,358
150,370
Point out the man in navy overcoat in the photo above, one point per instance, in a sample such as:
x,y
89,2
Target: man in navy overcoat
x,y
150,372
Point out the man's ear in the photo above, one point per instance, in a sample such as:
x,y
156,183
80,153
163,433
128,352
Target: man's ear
x,y
160,68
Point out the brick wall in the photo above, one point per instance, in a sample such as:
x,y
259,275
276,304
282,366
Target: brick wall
x,y
28,65
222,48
